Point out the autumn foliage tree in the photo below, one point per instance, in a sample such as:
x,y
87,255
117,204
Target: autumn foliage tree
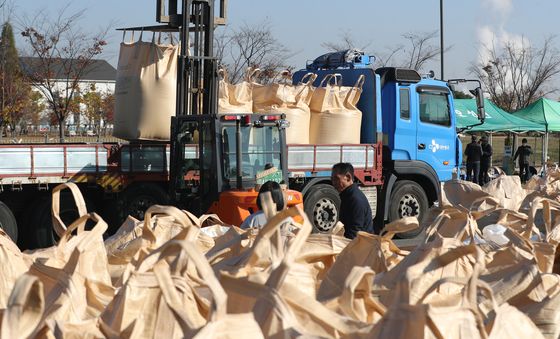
x,y
109,107
63,55
15,92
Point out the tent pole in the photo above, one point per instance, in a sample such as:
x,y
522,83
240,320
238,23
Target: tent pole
x,y
490,142
545,149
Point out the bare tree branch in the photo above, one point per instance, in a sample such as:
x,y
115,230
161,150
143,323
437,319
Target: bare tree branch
x,y
63,54
346,42
251,46
516,75
419,50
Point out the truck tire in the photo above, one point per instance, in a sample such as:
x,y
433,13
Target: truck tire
x,y
8,222
136,199
322,206
39,232
408,199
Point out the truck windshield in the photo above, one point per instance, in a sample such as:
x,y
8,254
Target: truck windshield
x,y
260,147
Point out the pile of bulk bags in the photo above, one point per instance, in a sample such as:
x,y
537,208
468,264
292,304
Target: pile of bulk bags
x,y
281,96
145,90
335,119
175,275
236,98
318,115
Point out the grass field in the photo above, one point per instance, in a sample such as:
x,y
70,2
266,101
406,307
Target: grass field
x,y
536,143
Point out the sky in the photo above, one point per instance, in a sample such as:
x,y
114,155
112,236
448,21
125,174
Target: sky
x,y
303,25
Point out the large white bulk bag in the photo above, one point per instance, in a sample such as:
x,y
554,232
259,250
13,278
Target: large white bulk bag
x,y
335,119
236,98
291,100
145,90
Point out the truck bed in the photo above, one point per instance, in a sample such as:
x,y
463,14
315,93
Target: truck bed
x,y
57,163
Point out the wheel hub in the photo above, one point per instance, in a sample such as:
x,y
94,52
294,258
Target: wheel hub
x,y
409,206
138,207
325,215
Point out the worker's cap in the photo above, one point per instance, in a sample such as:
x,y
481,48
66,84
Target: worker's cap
x,y
484,138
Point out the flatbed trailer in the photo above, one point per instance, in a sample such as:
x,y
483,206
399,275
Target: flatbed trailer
x,y
124,179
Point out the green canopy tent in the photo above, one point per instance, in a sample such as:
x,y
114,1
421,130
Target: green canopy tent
x,y
497,120
545,112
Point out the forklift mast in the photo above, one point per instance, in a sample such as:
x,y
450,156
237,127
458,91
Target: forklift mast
x,y
215,157
197,76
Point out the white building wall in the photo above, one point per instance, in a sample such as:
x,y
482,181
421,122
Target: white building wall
x,y
101,86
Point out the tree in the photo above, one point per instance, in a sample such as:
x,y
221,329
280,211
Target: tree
x,y
15,92
251,46
33,107
414,55
420,51
63,55
515,75
109,107
93,101
461,95
346,42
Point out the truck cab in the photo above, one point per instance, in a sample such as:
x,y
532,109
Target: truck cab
x,y
410,117
419,125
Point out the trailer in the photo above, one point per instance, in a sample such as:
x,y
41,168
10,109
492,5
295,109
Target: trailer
x,y
118,180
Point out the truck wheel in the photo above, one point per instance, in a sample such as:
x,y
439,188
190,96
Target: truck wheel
x,y
39,228
137,199
8,222
322,206
408,199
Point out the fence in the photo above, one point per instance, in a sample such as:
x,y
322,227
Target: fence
x,y
50,134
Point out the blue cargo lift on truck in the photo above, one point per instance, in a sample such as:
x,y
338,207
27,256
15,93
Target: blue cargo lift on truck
x,y
409,142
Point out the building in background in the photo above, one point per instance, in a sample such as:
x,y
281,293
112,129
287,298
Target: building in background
x,y
99,75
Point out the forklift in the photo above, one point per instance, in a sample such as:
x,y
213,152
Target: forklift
x,y
217,159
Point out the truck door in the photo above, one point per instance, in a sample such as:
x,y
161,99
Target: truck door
x,y
435,135
405,127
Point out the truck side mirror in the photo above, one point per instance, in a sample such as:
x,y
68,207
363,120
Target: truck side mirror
x,y
479,96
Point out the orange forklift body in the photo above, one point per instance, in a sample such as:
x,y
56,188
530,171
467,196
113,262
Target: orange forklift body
x,y
234,206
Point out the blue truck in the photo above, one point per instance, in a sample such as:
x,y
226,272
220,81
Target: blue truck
x,y
408,143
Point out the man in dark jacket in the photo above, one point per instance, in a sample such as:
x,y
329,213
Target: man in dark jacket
x,y
523,152
485,160
474,154
355,212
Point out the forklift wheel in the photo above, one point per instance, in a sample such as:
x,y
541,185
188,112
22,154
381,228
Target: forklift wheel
x,y
138,198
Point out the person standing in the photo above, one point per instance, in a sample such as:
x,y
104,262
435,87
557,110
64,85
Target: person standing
x,y
474,155
485,160
355,212
523,152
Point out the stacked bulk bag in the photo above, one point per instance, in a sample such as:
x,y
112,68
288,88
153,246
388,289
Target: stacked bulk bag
x,y
335,119
291,100
236,98
145,92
